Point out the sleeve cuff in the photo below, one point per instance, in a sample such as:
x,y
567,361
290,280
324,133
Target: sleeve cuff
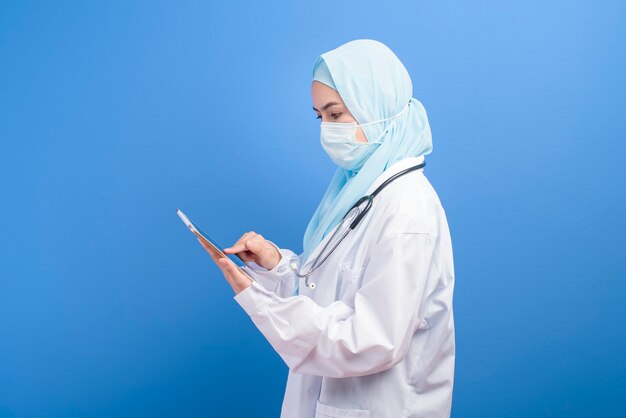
x,y
252,299
281,280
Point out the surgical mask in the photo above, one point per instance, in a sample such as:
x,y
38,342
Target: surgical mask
x,y
339,141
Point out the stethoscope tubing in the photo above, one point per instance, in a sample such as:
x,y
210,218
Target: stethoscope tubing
x,y
369,198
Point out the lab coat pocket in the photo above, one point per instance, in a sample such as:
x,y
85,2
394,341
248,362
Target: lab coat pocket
x,y
348,284
324,411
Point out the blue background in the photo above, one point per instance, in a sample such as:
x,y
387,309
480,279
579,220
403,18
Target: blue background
x,y
113,114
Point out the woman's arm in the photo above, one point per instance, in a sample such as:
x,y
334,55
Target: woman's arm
x,y
338,341
266,263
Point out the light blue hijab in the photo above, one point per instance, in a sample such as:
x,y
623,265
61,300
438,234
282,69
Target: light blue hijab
x,y
374,85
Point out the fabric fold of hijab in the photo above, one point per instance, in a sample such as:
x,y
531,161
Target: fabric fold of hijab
x,y
374,85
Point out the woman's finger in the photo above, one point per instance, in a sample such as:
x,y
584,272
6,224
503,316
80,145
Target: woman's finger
x,y
231,272
229,268
240,245
217,257
241,239
222,262
214,254
236,278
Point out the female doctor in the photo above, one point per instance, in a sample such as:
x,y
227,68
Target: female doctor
x,y
363,317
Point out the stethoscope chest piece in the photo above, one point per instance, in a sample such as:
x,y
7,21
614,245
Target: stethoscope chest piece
x,y
294,267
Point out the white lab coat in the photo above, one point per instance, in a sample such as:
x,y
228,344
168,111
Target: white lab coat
x,y
375,338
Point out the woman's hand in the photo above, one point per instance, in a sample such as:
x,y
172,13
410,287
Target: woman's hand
x,y
253,247
237,280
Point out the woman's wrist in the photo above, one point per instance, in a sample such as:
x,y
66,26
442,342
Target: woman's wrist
x,y
240,284
277,257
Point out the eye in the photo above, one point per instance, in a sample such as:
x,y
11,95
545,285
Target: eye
x,y
319,117
335,115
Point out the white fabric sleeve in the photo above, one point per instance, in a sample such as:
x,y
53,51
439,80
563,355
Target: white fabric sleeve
x,y
280,280
338,341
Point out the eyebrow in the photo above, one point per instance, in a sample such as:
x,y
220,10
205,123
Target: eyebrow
x,y
327,105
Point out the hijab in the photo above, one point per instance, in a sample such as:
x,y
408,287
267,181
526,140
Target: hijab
x,y
374,85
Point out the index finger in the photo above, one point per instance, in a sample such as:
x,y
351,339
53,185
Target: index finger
x,y
240,245
215,255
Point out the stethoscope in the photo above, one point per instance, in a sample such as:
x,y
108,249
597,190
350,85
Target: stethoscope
x,y
353,216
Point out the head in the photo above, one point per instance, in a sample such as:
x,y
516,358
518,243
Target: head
x,y
362,83
329,107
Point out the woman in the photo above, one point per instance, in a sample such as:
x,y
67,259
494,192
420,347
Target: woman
x,y
375,336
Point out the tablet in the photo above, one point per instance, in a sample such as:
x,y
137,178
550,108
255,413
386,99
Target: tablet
x,y
214,244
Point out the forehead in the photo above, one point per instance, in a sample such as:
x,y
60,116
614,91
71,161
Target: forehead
x,y
321,94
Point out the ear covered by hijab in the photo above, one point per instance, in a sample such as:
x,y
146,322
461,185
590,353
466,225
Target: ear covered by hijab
x,y
374,85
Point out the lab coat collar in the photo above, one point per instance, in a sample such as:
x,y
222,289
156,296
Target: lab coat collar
x,y
390,171
394,169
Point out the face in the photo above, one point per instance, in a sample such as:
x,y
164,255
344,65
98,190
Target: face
x,y
329,107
